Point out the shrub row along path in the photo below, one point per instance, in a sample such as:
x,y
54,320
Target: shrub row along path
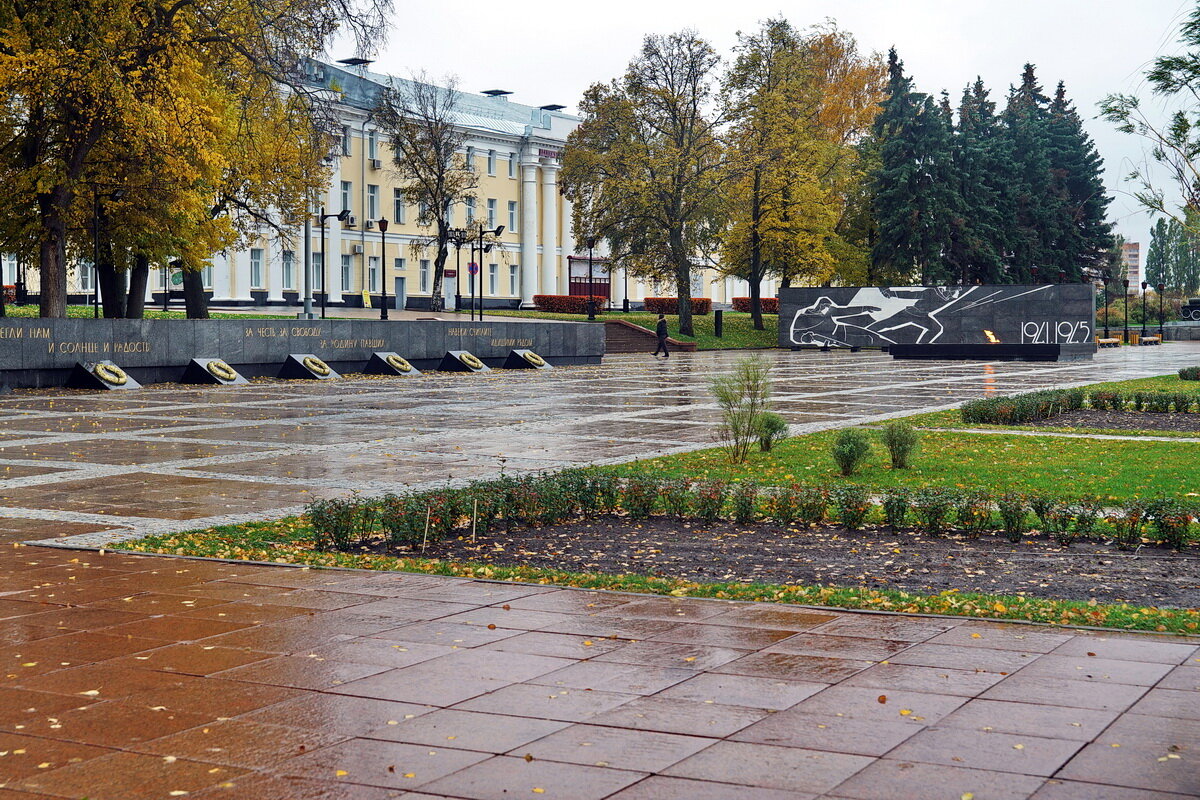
x,y
147,677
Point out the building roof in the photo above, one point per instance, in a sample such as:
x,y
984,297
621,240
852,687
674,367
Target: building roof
x,y
360,88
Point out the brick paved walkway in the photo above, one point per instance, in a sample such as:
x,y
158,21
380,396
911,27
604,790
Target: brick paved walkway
x,y
135,678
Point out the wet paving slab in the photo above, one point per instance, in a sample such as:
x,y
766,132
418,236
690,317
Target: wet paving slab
x,y
140,677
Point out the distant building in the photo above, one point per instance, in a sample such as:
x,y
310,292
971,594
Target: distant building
x,y
1132,259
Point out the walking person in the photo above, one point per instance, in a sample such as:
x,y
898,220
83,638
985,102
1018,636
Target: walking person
x,y
661,332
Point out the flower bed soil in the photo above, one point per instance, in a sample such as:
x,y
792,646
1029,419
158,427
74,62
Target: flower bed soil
x,y
877,558
1123,420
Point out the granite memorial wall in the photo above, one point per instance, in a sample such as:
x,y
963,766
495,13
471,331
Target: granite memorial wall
x,y
42,352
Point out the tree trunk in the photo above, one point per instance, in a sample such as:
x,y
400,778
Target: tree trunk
x,y
139,277
194,298
437,298
52,253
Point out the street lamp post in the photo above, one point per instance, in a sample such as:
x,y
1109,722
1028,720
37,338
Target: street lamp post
x,y
1144,285
499,230
625,277
383,310
457,237
1161,288
341,217
1105,278
1125,282
591,302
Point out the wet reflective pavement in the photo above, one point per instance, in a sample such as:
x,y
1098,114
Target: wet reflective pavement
x,y
140,677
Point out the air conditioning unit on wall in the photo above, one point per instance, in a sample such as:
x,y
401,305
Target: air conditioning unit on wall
x,y
351,221
368,224
358,249
376,163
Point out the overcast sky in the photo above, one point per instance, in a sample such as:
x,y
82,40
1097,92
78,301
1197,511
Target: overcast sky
x,y
551,53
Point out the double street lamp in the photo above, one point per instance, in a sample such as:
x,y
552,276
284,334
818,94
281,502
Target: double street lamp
x,y
1125,282
341,216
1106,278
479,265
591,300
1144,285
1162,287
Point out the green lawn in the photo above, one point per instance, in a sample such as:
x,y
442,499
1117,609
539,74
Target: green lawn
x,y
86,312
1159,383
739,332
1112,469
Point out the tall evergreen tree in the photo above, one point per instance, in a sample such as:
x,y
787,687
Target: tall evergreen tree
x,y
915,201
1078,201
1025,126
980,159
1156,254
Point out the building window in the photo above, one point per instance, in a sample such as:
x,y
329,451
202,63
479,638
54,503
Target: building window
x,y
449,214
346,142
372,145
85,270
318,270
256,265
372,201
491,213
206,276
514,280
493,279
289,268
347,196
491,162
470,210
512,216
398,207
423,213
347,270
373,273
471,159
512,165
401,264
424,275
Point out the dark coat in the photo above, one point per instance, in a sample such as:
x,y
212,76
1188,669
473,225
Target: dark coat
x,y
661,330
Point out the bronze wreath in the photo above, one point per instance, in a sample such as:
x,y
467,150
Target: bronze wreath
x,y
111,374
316,366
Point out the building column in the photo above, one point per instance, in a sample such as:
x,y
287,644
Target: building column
x,y
568,245
274,257
550,271
238,263
529,233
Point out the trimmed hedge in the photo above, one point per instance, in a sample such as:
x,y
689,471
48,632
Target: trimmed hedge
x,y
770,305
1189,374
567,303
419,518
670,305
1021,408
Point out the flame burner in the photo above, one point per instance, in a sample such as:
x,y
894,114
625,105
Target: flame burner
x,y
991,337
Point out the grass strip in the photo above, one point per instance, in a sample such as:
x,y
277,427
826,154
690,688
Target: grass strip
x,y
739,332
288,541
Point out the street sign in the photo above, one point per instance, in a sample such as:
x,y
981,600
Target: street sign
x,y
450,273
473,268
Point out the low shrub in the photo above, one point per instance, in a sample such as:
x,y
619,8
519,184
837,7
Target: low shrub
x,y
1058,518
772,429
812,503
974,512
1127,525
340,523
895,508
1112,401
1021,408
851,447
852,504
1087,514
1013,511
641,496
1139,400
567,303
670,305
1181,402
932,508
744,500
1189,374
769,305
901,440
1171,520
710,499
1158,403
677,497
783,505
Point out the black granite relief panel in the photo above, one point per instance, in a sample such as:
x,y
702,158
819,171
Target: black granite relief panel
x,y
880,316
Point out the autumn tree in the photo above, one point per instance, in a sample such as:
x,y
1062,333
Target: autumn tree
x,y
82,78
801,104
648,166
421,122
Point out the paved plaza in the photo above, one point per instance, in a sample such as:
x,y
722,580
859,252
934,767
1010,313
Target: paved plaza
x,y
130,678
